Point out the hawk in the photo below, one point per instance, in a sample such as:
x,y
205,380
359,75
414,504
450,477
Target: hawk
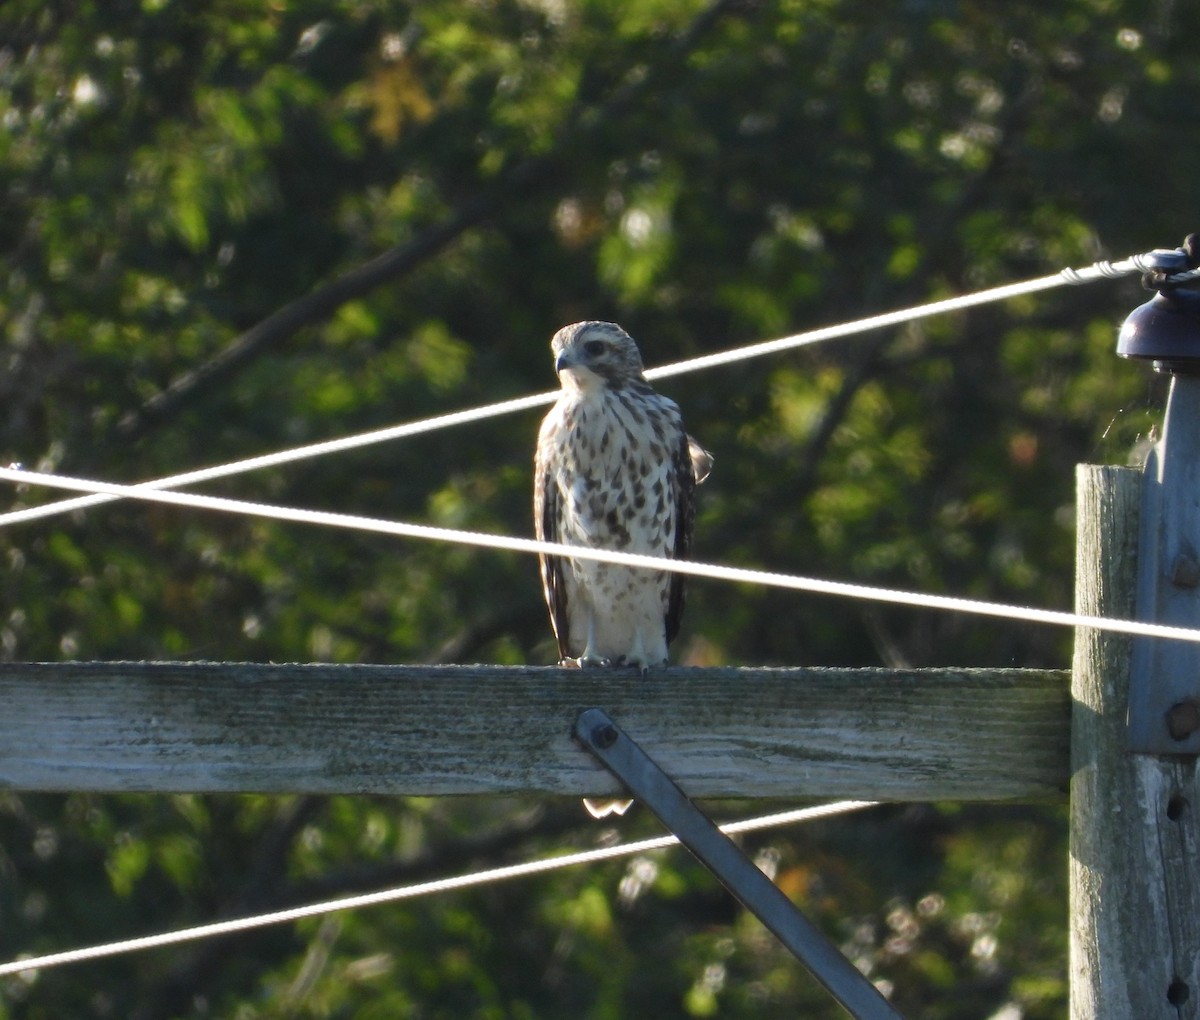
x,y
614,469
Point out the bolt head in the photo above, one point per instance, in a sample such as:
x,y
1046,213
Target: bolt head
x,y
1183,719
604,736
1185,572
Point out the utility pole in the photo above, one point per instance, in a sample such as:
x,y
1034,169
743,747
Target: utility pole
x,y
1135,834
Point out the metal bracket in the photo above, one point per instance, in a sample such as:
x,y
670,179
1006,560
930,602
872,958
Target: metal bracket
x,y
717,852
1164,691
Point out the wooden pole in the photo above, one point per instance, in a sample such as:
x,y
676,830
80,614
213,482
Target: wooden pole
x,y
869,734
1135,841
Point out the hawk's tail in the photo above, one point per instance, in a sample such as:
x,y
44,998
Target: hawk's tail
x,y
604,808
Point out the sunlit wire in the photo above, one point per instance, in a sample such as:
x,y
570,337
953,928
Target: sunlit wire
x,y
442,885
156,491
1097,271
712,571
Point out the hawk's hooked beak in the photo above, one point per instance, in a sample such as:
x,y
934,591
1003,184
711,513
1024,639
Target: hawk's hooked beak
x,y
574,372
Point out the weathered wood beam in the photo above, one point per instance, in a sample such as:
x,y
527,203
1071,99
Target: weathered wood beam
x,y
1135,837
992,734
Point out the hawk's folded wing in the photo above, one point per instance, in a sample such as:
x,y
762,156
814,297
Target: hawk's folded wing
x,y
546,509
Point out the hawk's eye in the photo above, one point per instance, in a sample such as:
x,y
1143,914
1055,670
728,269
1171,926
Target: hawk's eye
x,y
594,348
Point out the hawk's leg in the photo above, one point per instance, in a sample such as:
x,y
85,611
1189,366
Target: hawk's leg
x,y
640,656
590,656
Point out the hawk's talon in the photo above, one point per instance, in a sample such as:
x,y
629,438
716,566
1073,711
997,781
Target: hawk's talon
x,y
585,662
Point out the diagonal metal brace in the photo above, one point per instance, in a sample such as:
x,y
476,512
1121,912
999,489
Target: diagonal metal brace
x,y
596,731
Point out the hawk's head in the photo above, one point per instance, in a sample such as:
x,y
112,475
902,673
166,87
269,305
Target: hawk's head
x,y
593,353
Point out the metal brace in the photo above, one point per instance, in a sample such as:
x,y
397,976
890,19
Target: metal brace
x,y
596,731
1164,694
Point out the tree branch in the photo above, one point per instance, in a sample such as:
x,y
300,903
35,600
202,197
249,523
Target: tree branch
x,y
396,262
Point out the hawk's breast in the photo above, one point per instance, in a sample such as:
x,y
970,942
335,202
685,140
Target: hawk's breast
x,y
615,472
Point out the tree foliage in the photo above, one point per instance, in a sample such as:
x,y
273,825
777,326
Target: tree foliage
x,y
231,227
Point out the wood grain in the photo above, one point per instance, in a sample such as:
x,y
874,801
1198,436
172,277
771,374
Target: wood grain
x,y
1135,829
423,730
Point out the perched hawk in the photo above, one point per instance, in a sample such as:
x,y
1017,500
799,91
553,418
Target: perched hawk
x,y
614,469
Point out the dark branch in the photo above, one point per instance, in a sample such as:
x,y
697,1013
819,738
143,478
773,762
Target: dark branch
x,y
396,262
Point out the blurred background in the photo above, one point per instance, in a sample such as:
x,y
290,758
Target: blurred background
x,y
230,227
